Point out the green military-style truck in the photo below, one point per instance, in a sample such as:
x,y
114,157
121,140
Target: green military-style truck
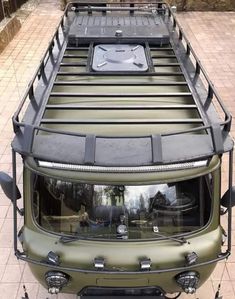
x,y
122,136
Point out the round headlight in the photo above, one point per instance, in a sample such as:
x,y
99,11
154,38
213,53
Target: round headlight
x,y
188,281
56,281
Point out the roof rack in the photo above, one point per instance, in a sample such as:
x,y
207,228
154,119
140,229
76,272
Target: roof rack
x,y
73,108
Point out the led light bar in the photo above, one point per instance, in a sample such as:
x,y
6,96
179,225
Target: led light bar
x,y
129,169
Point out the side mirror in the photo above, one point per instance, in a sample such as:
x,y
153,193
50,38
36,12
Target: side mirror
x,y
6,183
225,198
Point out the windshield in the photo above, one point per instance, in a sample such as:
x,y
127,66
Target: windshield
x,y
121,212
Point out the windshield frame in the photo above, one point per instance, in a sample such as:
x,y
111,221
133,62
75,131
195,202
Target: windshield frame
x,y
157,238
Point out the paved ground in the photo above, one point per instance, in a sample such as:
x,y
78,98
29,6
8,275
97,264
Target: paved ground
x,y
213,38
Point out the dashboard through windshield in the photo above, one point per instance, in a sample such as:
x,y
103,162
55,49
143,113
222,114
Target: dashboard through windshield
x,y
121,211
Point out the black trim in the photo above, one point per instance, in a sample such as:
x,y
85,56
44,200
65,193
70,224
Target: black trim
x,y
22,256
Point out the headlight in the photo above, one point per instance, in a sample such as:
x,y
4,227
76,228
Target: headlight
x,y
56,281
188,281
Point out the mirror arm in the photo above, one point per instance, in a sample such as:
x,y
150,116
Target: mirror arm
x,y
20,211
223,211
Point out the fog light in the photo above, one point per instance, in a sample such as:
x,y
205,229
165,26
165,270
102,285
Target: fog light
x,y
56,281
188,281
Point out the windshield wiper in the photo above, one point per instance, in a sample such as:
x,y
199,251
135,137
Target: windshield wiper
x,y
180,240
68,239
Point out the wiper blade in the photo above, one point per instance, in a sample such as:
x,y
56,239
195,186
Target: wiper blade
x,y
180,240
68,239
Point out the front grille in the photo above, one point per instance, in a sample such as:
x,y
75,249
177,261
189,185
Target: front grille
x,y
95,292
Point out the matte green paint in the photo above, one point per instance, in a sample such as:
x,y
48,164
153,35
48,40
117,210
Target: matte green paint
x,y
123,255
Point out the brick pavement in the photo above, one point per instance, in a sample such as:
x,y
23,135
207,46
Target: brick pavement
x,y
213,38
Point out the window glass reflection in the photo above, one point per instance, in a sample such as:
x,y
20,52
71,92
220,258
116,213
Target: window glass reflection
x,y
121,212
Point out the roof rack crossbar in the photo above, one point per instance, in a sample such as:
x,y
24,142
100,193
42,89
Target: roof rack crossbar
x,y
76,48
126,95
117,107
163,56
121,121
75,56
74,83
73,64
62,73
174,64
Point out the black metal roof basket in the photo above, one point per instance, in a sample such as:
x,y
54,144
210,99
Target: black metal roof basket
x,y
69,64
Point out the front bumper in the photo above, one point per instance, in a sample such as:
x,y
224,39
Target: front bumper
x,y
122,261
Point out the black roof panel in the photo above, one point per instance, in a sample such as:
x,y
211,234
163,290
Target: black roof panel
x,y
86,28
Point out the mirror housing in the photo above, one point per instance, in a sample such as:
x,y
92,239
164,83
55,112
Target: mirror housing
x,y
225,198
6,183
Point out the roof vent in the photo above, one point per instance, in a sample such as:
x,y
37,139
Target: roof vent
x,y
118,57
